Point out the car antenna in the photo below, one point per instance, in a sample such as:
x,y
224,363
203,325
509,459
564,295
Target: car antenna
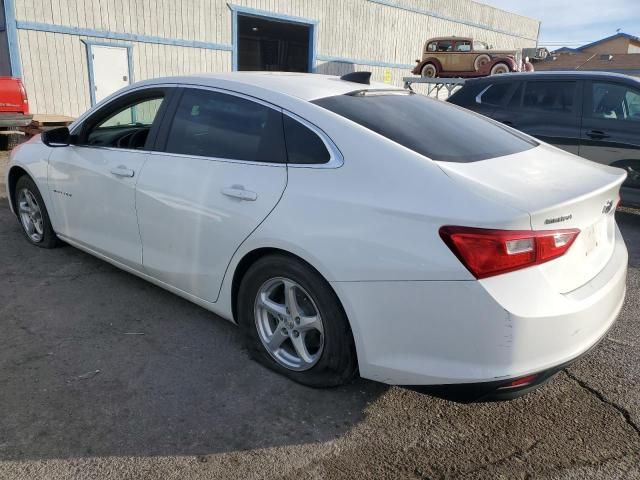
x,y
357,77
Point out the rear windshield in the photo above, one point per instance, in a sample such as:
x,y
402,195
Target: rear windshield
x,y
432,128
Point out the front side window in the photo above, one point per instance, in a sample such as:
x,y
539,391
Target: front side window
x,y
615,102
445,46
480,46
218,125
463,46
432,128
551,96
127,127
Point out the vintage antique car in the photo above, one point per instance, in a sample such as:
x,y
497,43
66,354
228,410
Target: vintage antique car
x,y
465,57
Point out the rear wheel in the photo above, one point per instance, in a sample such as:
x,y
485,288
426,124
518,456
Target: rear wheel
x,y
294,324
33,214
429,71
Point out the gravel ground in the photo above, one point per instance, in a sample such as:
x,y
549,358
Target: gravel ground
x,y
103,375
4,161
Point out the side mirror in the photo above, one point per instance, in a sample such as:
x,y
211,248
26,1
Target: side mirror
x,y
57,137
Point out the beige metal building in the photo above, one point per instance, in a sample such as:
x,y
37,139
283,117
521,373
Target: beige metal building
x,y
72,53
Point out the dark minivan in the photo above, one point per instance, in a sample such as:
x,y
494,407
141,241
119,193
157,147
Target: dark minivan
x,y
593,114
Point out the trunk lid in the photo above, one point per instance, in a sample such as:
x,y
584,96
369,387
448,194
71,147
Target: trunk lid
x,y
559,191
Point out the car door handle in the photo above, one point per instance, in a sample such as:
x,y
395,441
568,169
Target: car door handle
x,y
240,193
597,134
122,171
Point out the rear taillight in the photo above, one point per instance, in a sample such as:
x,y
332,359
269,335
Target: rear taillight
x,y
488,252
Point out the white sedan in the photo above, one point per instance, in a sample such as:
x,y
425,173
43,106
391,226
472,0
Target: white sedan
x,y
344,226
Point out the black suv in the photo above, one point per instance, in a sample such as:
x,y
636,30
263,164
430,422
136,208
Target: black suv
x,y
593,114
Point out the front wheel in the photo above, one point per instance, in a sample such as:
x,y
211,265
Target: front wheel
x,y
294,323
500,68
429,71
33,214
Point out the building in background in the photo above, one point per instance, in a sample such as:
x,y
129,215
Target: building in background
x,y
618,53
72,53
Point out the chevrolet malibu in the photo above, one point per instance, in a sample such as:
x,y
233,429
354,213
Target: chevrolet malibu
x,y
346,227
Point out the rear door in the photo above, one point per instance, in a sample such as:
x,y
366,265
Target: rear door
x,y
219,170
546,109
611,131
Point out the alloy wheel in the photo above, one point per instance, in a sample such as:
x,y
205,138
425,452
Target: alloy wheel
x,y
30,215
289,324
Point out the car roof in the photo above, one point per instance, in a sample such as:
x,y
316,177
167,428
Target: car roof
x,y
435,39
582,74
304,86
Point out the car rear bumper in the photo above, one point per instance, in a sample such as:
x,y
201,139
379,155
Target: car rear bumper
x,y
444,333
14,120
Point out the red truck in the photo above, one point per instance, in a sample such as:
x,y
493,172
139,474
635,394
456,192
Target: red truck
x,y
14,111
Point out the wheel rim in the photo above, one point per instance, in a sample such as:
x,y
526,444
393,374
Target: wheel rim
x,y
289,324
500,69
30,215
429,71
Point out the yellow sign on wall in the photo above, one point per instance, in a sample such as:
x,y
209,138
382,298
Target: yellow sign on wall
x,y
387,75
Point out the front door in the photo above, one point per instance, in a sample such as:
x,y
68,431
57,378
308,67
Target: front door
x,y
110,66
221,171
92,183
611,131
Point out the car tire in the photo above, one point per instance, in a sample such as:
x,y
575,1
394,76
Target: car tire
x,y
319,352
481,61
429,70
32,214
500,68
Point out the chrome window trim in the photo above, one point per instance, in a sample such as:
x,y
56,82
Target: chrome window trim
x,y
336,160
484,90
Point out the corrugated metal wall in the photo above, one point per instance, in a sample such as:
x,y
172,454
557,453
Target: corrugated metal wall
x,y
375,35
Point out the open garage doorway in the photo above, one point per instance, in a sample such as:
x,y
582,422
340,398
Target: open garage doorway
x,y
273,44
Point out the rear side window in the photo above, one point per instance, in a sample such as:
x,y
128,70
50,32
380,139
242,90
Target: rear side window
x,y
213,124
550,96
429,127
303,145
495,94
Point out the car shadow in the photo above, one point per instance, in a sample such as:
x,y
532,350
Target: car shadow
x,y
629,223
97,362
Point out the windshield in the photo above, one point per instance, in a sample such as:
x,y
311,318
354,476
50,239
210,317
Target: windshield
x,y
432,128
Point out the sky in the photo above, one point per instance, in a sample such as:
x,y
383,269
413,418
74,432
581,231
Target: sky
x,y
576,22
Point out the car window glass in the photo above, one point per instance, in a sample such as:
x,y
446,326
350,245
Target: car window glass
x,y
432,47
429,127
495,94
615,102
463,46
445,45
551,96
303,145
126,128
212,124
516,97
480,46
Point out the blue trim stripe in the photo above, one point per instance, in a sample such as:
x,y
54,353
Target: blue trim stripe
x,y
271,15
276,17
12,38
429,13
359,61
127,37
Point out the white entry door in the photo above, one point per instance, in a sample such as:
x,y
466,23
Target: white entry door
x,y
110,69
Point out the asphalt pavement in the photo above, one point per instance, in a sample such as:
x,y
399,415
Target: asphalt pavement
x,y
103,375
